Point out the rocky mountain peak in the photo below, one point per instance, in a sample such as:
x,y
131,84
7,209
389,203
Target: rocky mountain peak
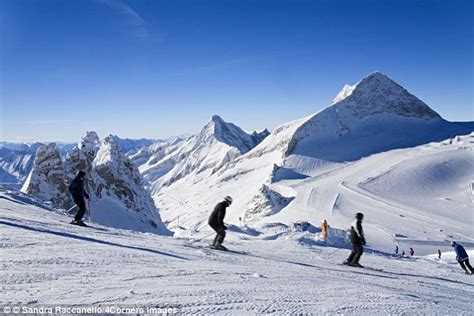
x,y
377,93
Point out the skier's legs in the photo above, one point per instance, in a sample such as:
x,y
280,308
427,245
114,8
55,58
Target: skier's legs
x,y
220,236
358,254
219,239
468,265
463,266
353,253
82,210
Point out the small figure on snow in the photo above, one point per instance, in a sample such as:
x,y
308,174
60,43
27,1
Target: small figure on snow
x,y
396,250
216,221
76,188
462,257
403,253
412,251
358,242
324,230
439,254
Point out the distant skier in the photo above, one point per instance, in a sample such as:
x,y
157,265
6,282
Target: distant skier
x,y
76,188
462,258
439,254
403,253
216,221
396,250
358,242
324,230
412,251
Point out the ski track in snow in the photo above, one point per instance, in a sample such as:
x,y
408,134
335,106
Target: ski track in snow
x,y
46,261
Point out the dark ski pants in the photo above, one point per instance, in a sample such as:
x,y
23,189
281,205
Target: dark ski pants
x,y
465,265
357,251
220,234
82,210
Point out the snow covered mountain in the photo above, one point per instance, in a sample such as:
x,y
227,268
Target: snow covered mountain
x,y
46,179
16,162
199,156
378,115
122,200
156,150
270,183
118,194
133,145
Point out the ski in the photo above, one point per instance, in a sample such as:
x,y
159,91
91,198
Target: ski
x,y
77,224
362,267
89,226
227,250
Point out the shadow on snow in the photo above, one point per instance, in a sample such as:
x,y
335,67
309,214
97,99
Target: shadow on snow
x,y
89,239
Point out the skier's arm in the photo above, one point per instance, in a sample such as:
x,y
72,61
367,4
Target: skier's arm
x,y
78,192
83,192
360,232
220,216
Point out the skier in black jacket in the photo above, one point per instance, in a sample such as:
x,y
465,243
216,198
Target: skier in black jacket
x,y
76,188
216,221
357,240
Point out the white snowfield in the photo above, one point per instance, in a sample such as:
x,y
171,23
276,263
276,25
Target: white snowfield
x,y
44,260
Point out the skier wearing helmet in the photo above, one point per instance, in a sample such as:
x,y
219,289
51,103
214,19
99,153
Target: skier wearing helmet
x,y
216,221
358,242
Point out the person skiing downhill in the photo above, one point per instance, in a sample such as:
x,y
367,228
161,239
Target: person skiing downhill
x,y
462,257
76,188
216,221
412,251
358,242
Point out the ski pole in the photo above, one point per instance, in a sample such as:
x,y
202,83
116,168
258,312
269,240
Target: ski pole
x,y
333,253
89,210
69,210
200,239
89,204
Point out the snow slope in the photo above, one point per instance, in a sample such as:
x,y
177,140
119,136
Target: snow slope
x,y
416,197
46,261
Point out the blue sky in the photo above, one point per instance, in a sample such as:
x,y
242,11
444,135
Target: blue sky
x,y
162,68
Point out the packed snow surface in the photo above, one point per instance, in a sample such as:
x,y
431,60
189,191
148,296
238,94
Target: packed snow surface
x,y
47,261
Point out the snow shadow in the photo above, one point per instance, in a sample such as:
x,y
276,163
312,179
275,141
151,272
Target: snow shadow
x,y
90,239
380,274
11,200
244,230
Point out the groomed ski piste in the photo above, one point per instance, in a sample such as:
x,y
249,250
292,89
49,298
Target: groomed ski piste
x,y
47,261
